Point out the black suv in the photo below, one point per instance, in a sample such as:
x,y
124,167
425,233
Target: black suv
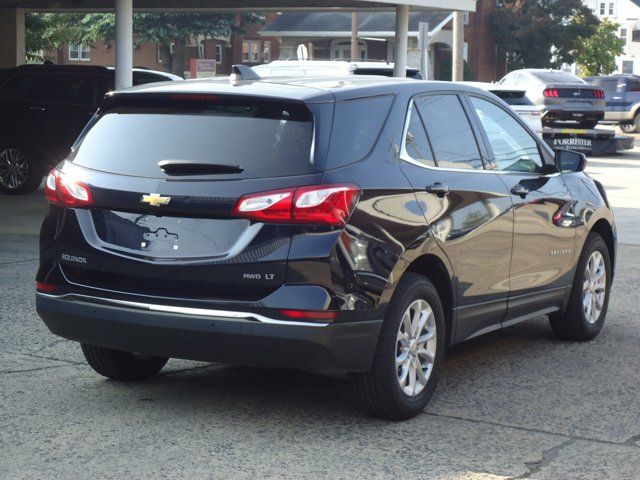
x,y
43,109
357,224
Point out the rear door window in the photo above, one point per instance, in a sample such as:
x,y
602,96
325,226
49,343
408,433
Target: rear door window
x,y
262,138
73,89
452,140
18,87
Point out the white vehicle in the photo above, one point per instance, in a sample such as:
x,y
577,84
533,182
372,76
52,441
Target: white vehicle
x,y
289,68
518,101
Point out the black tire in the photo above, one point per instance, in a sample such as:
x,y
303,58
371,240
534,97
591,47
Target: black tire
x,y
632,126
119,365
572,323
29,180
378,390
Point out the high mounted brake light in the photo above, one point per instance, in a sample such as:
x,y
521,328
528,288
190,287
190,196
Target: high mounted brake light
x,y
316,205
64,190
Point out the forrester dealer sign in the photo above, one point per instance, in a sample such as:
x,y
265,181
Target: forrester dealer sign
x,y
579,144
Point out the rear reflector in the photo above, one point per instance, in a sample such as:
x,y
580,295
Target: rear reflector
x,y
45,287
324,315
64,190
317,205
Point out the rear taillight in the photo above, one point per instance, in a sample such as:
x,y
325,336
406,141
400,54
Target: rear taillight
x,y
551,92
598,93
65,190
45,287
317,205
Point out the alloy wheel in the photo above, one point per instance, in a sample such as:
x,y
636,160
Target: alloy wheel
x,y
14,168
594,287
416,347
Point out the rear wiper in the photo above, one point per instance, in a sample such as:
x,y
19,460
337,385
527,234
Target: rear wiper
x,y
187,167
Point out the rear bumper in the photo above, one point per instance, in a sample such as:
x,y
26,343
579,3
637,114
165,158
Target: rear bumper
x,y
214,338
551,114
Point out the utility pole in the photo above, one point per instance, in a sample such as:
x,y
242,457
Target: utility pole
x,y
355,54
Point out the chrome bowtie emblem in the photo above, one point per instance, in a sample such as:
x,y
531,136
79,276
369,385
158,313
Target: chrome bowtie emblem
x,y
155,199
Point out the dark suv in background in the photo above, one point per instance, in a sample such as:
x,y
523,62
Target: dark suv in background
x,y
43,109
354,224
622,94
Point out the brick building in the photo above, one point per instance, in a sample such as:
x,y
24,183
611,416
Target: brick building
x,y
328,37
249,48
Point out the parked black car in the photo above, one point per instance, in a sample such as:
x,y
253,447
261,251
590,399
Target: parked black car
x,y
360,224
622,93
43,109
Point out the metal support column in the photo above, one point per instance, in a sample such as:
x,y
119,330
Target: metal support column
x,y
124,43
12,37
457,72
402,35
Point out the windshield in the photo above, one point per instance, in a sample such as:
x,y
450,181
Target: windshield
x,y
513,97
263,139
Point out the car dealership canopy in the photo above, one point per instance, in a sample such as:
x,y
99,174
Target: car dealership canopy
x,y
12,28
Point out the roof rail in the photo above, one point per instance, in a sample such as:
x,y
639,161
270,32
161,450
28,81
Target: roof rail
x,y
243,72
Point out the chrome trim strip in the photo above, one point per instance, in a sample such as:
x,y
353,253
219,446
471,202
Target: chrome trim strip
x,y
199,312
404,156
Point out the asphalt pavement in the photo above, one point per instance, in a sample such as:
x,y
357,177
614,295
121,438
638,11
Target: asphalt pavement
x,y
512,404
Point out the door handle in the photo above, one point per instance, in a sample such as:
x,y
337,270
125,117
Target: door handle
x,y
438,189
520,190
36,108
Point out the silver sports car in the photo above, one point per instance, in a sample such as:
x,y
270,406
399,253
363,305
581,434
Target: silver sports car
x,y
563,98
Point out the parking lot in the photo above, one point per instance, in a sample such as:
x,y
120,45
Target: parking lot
x,y
512,404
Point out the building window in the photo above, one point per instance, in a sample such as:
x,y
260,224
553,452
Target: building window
x,y
610,8
266,52
627,66
218,53
466,18
603,6
623,35
250,51
79,52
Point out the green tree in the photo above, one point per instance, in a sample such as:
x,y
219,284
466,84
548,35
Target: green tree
x,y
541,33
171,31
596,55
42,34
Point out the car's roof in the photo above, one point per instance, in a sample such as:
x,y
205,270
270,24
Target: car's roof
x,y
308,89
492,87
614,75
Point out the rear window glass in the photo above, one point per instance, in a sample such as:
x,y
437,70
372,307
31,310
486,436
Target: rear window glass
x,y
263,138
356,126
513,97
557,77
609,85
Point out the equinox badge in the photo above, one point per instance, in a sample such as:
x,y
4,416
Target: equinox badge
x,y
155,199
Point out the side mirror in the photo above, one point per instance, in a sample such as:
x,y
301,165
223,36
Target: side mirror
x,y
570,161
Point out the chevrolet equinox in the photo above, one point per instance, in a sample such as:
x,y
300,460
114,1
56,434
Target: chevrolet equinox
x,y
358,225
